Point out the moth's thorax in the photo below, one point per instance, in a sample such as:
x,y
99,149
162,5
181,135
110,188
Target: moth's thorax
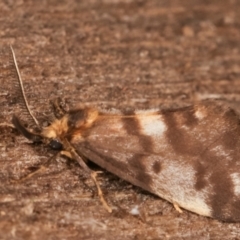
x,y
71,124
58,128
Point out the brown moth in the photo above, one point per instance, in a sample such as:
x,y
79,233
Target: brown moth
x,y
189,156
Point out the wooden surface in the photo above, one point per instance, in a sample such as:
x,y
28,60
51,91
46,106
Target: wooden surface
x,y
121,54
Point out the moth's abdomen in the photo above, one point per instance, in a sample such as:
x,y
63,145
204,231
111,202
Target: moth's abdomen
x,y
188,156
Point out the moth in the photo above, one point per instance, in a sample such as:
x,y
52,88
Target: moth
x,y
188,156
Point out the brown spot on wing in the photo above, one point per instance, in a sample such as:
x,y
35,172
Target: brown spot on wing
x,y
204,165
235,210
213,170
137,163
181,140
230,139
189,117
201,171
231,115
231,136
222,195
157,167
133,127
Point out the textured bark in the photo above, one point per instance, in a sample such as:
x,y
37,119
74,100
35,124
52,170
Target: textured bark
x,y
121,54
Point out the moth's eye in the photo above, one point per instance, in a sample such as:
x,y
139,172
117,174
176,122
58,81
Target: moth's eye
x,y
55,144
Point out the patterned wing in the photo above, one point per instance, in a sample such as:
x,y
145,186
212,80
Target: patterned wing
x,y
188,156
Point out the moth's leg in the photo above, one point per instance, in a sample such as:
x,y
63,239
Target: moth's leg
x,y
93,174
42,168
176,206
58,108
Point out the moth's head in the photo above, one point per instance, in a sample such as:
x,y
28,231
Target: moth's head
x,y
54,142
56,132
71,125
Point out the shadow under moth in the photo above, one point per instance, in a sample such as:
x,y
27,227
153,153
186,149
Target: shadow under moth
x,y
189,156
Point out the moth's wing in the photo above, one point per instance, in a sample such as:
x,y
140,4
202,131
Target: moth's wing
x,y
127,166
206,138
189,156
115,142
160,173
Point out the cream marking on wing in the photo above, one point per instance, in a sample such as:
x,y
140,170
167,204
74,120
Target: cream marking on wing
x,y
236,182
151,124
220,151
199,114
176,183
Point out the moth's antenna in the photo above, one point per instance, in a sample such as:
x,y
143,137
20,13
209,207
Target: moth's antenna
x,y
21,88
